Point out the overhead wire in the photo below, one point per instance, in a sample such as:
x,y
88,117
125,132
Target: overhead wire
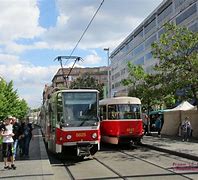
x,y
86,28
77,59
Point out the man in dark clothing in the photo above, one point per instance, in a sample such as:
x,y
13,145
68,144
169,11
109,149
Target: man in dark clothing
x,y
17,133
27,133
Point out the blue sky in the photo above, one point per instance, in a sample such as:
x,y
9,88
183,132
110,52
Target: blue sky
x,y
34,32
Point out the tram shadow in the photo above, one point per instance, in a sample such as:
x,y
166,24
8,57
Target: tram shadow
x,y
117,147
66,158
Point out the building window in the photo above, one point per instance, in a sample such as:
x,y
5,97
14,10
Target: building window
x,y
189,12
140,61
179,3
161,31
117,75
123,71
138,49
150,41
164,13
194,27
150,26
148,56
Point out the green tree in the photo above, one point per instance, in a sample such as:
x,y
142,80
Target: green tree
x,y
87,82
142,85
10,104
178,60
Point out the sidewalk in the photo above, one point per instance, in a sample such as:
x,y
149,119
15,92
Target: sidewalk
x,y
173,145
36,167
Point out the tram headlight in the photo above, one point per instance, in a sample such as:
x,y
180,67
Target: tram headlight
x,y
68,136
94,135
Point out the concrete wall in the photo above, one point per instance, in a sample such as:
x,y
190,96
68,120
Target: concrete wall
x,y
171,123
173,120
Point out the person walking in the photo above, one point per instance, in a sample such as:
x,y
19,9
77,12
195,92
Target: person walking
x,y
1,138
186,129
158,125
7,134
27,136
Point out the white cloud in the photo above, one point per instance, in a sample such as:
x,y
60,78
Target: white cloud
x,y
21,32
8,59
114,22
28,79
19,19
13,47
92,59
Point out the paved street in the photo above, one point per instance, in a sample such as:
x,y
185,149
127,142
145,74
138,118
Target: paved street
x,y
116,163
112,162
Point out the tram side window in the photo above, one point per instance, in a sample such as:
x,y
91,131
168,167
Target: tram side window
x,y
112,112
103,111
136,112
59,108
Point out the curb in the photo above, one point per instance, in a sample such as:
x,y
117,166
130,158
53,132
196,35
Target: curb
x,y
180,154
46,166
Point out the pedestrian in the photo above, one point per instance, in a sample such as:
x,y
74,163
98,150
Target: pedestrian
x,y
1,138
186,129
7,133
158,125
145,123
17,133
27,136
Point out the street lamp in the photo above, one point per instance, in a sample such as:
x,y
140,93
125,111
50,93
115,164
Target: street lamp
x,y
108,81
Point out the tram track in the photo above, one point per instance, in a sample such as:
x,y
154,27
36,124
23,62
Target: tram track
x,y
86,169
167,169
69,172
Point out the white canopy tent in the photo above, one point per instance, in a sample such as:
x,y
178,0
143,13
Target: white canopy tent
x,y
174,117
184,106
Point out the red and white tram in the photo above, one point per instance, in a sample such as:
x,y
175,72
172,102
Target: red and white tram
x,y
121,120
71,122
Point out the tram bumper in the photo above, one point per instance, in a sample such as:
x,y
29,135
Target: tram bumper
x,y
83,148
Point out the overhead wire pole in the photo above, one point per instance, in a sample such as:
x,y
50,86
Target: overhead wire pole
x,y
59,58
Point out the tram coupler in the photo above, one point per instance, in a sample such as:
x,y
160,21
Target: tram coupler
x,y
131,144
83,149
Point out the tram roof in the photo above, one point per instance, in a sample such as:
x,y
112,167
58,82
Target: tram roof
x,y
77,90
120,100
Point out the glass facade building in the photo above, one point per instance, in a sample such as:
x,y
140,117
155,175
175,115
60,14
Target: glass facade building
x,y
137,46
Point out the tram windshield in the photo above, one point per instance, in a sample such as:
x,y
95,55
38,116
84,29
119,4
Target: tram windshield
x,y
80,108
124,111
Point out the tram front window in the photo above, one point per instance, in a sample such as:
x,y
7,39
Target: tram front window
x,y
80,108
124,111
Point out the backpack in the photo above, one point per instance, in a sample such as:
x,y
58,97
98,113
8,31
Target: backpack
x,y
27,131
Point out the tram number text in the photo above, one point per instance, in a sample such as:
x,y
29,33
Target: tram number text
x,y
130,130
83,134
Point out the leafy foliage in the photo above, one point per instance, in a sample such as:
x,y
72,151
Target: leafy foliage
x,y
87,82
142,85
176,70
10,104
177,52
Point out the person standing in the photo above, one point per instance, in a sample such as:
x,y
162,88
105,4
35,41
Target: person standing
x,y
17,133
1,138
7,134
158,125
27,133
186,129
